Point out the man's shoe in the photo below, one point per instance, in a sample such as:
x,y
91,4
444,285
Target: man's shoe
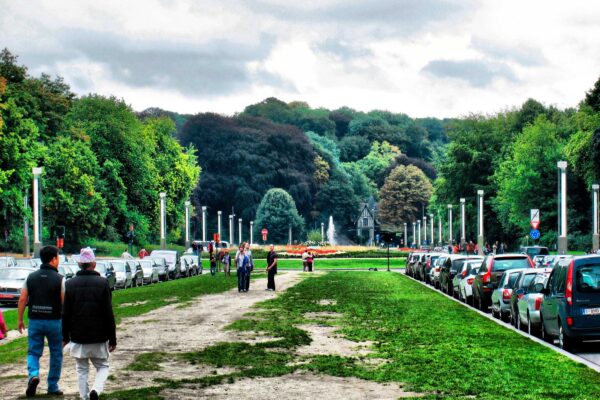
x,y
32,386
93,395
56,393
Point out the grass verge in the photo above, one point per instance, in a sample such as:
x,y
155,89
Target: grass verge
x,y
429,343
320,263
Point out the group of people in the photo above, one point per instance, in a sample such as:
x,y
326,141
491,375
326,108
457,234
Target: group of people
x,y
308,259
473,248
76,315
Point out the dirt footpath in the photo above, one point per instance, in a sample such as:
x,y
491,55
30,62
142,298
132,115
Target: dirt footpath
x,y
169,329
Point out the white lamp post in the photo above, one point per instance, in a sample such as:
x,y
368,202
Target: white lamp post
x,y
187,224
480,243
240,230
37,242
219,214
419,234
251,232
562,237
450,224
405,236
463,238
414,236
431,222
440,230
231,229
204,223
163,220
596,236
424,229
322,231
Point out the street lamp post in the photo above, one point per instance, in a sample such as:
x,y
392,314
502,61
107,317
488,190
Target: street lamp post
x,y
450,224
187,224
562,237
231,229
424,229
595,237
290,234
219,214
405,236
440,230
431,222
414,236
25,228
480,222
251,232
37,243
419,234
322,231
163,220
463,238
204,223
240,230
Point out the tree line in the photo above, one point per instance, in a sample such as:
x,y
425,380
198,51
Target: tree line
x,y
103,166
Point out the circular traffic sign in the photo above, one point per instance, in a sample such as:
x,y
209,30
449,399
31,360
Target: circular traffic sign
x,y
534,234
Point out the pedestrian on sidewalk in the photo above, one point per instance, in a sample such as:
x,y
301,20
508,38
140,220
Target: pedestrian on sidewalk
x,y
227,263
271,268
213,265
143,253
304,263
250,268
43,293
89,324
310,261
3,329
239,259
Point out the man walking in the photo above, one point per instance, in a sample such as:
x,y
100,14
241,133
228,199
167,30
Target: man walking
x,y
43,293
250,265
271,268
89,324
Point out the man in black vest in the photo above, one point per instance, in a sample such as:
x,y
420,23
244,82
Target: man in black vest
x,y
271,268
89,324
43,293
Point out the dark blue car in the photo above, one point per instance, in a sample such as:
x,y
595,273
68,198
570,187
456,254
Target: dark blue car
x,y
570,310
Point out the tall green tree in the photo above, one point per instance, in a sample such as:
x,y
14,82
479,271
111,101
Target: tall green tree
x,y
404,192
276,213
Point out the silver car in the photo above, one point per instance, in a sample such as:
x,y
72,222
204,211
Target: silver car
x,y
123,275
26,263
11,283
193,263
529,305
465,287
501,295
150,270
163,268
463,272
172,258
7,262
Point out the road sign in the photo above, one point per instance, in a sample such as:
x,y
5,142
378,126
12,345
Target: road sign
x,y
216,237
264,233
535,218
534,234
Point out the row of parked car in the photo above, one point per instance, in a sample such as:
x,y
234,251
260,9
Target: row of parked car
x,y
160,265
555,297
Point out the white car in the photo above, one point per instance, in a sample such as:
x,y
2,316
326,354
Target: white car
x,y
466,285
150,270
435,270
501,295
26,263
172,258
193,263
530,300
7,262
122,273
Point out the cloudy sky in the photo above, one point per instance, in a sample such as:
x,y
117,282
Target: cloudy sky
x,y
422,57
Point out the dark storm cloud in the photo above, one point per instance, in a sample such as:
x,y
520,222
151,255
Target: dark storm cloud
x,y
216,68
477,73
524,55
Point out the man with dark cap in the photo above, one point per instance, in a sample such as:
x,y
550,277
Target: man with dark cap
x,y
43,294
89,324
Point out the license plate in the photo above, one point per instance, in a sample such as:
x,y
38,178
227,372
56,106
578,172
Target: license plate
x,y
591,311
7,296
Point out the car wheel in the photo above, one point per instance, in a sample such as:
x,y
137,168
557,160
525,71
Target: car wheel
x,y
530,329
545,336
518,322
494,313
564,342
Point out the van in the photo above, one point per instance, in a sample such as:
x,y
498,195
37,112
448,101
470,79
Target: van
x,y
570,310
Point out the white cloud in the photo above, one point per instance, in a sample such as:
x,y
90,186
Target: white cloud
x,y
425,58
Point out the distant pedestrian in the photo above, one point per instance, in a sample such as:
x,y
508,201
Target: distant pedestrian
x,y
43,293
126,255
271,268
213,265
240,260
89,324
3,329
310,261
495,247
250,265
304,263
142,253
195,248
227,263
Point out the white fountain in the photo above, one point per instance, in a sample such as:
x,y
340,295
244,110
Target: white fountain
x,y
331,232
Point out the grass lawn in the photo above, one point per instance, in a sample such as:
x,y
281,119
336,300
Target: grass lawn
x,y
430,343
127,303
326,263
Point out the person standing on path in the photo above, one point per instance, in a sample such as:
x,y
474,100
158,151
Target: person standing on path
x,y
239,265
304,262
43,293
143,253
271,268
250,265
309,261
89,324
227,263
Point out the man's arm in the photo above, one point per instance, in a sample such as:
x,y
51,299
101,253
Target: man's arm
x,y
22,304
110,320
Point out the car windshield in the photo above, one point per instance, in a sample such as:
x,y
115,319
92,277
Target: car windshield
x,y
119,266
4,262
504,264
457,264
588,278
101,268
146,264
14,274
511,280
170,257
24,262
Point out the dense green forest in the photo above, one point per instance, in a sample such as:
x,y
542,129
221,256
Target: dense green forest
x,y
105,164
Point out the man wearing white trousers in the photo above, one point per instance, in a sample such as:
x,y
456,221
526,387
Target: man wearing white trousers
x,y
88,324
